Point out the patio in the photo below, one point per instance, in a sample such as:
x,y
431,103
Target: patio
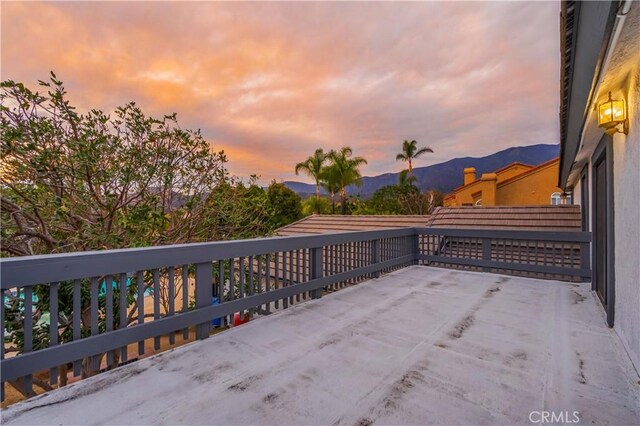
x,y
420,345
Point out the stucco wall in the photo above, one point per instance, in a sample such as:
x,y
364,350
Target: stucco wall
x,y
626,171
513,170
534,189
464,195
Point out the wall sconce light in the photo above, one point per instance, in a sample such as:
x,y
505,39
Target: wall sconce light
x,y
611,114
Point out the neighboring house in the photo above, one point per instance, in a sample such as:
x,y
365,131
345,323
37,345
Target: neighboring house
x,y
323,224
514,185
600,149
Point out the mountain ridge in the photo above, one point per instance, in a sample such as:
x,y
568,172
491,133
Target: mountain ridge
x,y
447,175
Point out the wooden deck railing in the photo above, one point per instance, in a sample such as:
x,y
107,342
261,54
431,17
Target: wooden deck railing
x,y
106,295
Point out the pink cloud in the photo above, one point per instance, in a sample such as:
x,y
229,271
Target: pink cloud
x,y
270,82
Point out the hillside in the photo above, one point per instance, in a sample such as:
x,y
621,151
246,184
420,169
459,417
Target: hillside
x,y
448,175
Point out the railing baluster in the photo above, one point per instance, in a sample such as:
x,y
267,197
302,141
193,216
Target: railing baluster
x,y
375,255
241,283
285,301
250,286
221,290
232,285
28,335
122,305
259,259
305,275
291,269
267,284
585,261
77,313
276,272
486,252
185,296
108,294
53,327
329,269
204,295
140,302
315,265
95,360
298,273
172,299
156,304
334,263
343,262
350,261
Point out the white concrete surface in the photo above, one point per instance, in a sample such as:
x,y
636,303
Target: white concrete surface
x,y
419,346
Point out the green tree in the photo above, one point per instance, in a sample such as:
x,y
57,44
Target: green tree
x,y
410,152
394,199
76,182
406,179
312,166
285,205
345,171
312,205
330,181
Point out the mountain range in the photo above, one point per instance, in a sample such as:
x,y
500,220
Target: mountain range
x,y
448,175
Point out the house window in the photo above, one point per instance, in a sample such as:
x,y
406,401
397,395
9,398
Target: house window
x,y
556,199
479,202
568,200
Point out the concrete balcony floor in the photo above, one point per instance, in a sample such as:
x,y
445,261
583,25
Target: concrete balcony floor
x,y
418,346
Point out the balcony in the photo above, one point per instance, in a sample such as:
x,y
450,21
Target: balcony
x,y
444,326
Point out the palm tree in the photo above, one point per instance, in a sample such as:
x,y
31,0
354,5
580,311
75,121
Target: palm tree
x,y
345,170
410,152
313,167
329,180
405,179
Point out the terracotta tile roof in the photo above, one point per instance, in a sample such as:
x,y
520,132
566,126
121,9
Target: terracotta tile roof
x,y
545,218
323,224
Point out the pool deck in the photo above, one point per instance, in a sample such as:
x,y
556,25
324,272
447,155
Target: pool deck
x,y
419,346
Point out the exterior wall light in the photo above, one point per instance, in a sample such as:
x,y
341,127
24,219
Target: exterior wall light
x,y
611,114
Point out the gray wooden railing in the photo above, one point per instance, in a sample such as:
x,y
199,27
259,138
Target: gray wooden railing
x,y
106,289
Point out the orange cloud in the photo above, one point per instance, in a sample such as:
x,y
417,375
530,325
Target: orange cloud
x,y
270,82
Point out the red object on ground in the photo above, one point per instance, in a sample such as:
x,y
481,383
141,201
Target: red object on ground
x,y
239,321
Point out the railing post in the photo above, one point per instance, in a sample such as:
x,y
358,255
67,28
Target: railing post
x,y
375,256
486,251
316,270
204,295
585,260
416,248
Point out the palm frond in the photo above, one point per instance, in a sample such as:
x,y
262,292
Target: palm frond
x,y
422,151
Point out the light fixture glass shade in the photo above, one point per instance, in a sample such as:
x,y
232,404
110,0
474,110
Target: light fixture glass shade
x,y
611,113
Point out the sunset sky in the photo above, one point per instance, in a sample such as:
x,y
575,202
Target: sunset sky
x,y
270,82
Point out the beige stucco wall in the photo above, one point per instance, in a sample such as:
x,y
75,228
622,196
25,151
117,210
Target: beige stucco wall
x,y
512,171
533,189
